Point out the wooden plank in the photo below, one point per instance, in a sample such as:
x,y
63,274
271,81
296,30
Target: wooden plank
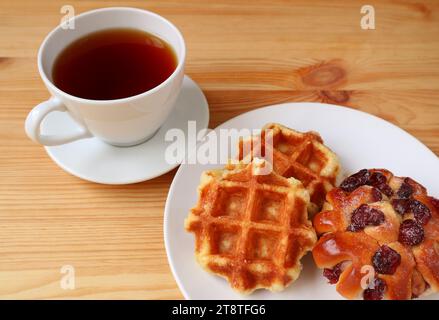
x,y
244,55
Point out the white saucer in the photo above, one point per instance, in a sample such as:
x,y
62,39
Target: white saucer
x,y
93,160
361,141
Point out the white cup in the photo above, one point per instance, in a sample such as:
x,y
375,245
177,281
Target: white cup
x,y
120,122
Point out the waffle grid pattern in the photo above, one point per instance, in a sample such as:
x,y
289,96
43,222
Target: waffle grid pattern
x,y
299,155
250,234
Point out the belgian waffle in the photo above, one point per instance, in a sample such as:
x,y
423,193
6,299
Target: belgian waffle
x,y
249,228
299,155
387,222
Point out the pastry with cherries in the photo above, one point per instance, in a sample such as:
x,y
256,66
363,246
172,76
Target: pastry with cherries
x,y
380,224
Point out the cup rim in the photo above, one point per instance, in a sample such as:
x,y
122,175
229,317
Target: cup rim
x,y
52,86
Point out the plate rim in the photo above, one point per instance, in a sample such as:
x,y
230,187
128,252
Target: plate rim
x,y
260,109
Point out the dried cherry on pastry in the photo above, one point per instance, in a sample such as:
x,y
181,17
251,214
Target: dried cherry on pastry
x,y
401,206
377,292
386,260
356,180
410,233
333,274
420,211
365,177
386,222
365,216
379,181
405,190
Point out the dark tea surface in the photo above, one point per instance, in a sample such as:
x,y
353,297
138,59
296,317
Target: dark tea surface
x,y
113,64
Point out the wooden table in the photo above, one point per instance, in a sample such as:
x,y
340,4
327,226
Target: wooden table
x,y
244,55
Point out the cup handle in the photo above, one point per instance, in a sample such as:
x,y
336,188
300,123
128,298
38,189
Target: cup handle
x,y
36,116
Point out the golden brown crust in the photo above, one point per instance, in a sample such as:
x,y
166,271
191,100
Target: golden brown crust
x,y
336,247
299,155
251,229
399,284
419,266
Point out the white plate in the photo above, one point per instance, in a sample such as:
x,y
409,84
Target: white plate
x,y
96,161
360,140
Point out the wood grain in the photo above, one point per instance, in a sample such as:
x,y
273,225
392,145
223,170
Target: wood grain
x,y
244,55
